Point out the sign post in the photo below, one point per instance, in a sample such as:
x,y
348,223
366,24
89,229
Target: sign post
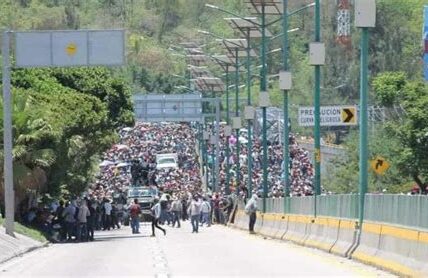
x,y
9,194
35,49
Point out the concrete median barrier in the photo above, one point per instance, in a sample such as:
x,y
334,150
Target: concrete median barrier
x,y
420,254
240,218
298,227
346,238
369,242
392,248
282,226
270,224
243,220
259,222
323,234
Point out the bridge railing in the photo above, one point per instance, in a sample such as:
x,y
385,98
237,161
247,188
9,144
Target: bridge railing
x,y
404,210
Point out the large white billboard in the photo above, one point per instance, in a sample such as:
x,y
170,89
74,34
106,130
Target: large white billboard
x,y
70,48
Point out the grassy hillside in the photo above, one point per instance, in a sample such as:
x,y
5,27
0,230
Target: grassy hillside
x,y
156,27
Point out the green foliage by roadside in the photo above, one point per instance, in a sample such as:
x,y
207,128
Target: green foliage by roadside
x,y
411,129
63,119
344,172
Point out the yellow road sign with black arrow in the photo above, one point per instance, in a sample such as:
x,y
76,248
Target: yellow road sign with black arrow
x,y
349,115
379,165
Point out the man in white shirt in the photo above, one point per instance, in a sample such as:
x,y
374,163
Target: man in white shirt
x,y
156,214
206,210
195,213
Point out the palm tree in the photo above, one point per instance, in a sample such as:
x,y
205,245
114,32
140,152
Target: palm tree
x,y
33,147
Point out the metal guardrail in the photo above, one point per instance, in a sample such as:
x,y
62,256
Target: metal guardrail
x,y
403,210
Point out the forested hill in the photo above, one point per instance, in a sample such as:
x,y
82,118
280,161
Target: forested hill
x,y
155,27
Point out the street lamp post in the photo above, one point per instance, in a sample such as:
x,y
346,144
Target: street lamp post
x,y
263,82
227,135
249,125
317,120
213,157
205,153
365,18
233,47
225,64
286,151
238,144
263,88
249,30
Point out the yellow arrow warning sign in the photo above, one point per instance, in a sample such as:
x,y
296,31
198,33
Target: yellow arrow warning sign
x,y
379,165
71,49
348,115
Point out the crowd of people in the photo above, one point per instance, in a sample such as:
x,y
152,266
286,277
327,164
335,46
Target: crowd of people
x,y
74,220
145,140
301,172
132,162
141,143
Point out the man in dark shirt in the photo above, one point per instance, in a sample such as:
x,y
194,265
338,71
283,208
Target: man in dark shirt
x,y
135,211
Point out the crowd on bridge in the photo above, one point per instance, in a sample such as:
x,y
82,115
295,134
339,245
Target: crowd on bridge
x,y
104,205
141,144
301,171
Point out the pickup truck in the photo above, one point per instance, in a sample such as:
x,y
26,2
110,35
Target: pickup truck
x,y
145,196
166,160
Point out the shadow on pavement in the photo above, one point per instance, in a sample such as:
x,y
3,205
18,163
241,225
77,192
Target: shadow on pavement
x,y
114,237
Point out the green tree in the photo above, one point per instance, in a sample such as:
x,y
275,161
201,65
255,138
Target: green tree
x,y
412,128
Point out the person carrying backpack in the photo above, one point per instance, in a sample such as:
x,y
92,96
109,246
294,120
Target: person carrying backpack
x,y
251,209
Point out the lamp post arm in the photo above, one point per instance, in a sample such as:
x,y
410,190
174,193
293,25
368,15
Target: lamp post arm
x,y
291,13
232,14
218,37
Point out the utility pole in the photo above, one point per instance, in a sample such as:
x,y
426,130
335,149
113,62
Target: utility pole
x,y
365,18
286,151
7,138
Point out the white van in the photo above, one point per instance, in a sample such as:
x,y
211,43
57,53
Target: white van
x,y
166,160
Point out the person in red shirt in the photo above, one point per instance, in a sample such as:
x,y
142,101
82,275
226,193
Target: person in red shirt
x,y
135,211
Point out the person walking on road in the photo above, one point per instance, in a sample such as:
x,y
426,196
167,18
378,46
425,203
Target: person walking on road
x,y
176,208
156,214
135,211
107,214
206,211
195,213
251,209
82,218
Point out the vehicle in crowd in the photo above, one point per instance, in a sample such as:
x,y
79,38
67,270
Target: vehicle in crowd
x,y
166,160
146,196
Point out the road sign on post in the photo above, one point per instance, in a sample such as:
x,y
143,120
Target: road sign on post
x,y
379,165
330,115
51,49
70,48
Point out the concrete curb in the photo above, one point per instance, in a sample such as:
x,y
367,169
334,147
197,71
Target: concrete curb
x,y
24,251
12,247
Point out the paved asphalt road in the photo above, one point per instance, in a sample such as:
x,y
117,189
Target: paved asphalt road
x,y
214,251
